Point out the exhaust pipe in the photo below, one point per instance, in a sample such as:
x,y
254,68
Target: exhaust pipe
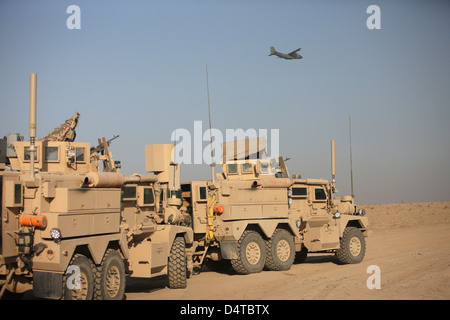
x,y
33,80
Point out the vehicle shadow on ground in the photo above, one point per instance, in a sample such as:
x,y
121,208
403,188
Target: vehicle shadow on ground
x,y
149,285
146,285
319,258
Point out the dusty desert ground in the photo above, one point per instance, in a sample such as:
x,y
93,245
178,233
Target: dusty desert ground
x,y
410,243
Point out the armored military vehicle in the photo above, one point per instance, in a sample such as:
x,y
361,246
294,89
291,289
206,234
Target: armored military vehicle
x,y
253,215
71,231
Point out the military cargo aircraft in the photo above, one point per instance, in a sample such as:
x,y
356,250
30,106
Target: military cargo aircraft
x,y
288,56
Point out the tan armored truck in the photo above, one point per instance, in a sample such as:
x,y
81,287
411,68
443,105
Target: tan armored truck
x,y
70,231
254,216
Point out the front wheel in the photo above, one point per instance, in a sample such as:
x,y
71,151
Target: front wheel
x,y
79,279
352,248
177,265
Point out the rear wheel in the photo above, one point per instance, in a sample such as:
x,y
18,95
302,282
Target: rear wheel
x,y
78,281
353,246
280,251
177,265
112,276
251,253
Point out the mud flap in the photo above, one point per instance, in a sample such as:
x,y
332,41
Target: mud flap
x,y
47,285
229,250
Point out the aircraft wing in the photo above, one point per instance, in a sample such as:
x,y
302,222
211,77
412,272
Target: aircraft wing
x,y
295,51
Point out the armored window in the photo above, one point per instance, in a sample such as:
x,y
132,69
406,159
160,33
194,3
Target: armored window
x,y
202,193
247,168
297,192
15,197
148,196
17,193
51,154
320,194
264,168
26,154
186,187
176,193
232,168
128,193
144,195
79,154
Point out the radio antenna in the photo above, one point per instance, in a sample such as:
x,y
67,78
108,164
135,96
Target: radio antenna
x,y
210,130
351,165
174,161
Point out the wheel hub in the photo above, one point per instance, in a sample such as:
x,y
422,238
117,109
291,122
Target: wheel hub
x,y
79,292
283,250
253,253
355,246
112,281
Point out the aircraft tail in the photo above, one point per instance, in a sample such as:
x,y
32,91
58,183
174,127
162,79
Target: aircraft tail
x,y
272,51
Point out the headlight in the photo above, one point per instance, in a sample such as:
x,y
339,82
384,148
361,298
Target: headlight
x,y
337,215
55,233
187,220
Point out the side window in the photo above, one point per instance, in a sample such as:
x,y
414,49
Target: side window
x,y
232,168
145,196
247,168
18,193
202,193
129,193
264,168
51,154
148,196
26,154
79,154
320,194
299,191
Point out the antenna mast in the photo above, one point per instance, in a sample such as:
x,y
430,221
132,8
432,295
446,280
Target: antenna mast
x,y
351,165
33,81
210,130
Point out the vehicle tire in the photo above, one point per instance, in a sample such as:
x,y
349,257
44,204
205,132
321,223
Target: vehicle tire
x,y
251,252
352,247
177,265
112,277
79,279
280,251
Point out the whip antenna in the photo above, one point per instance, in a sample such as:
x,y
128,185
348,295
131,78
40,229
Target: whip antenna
x,y
210,130
351,165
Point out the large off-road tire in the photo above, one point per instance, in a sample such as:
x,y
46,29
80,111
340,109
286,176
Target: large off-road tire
x,y
112,278
280,251
251,253
177,264
79,279
352,248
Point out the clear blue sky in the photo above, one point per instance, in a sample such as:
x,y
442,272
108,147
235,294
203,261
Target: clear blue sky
x,y
137,69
